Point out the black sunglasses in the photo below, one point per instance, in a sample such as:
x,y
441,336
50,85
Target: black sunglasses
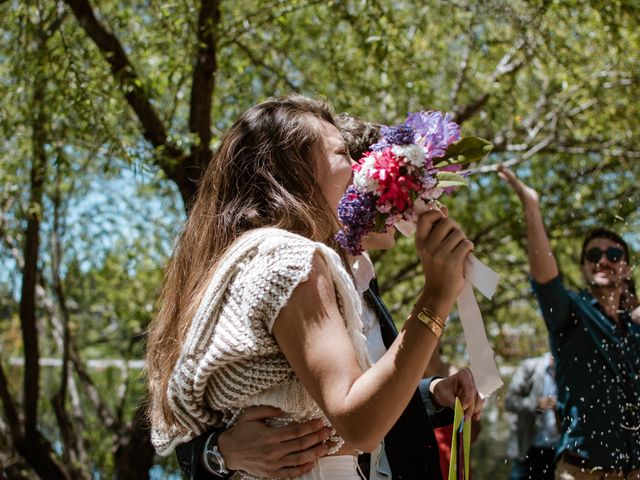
x,y
614,254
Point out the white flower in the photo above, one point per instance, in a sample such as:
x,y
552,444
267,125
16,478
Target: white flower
x,y
369,163
414,154
364,182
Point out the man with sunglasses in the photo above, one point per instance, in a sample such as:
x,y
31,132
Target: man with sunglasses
x,y
596,347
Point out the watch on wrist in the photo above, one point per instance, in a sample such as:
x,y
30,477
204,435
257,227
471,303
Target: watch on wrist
x,y
437,408
212,458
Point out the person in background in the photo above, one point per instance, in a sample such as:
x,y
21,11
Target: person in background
x,y
596,347
532,397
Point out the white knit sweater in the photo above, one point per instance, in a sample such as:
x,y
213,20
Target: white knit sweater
x,y
230,359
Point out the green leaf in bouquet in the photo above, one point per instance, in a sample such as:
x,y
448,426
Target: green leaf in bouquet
x,y
466,150
380,223
450,179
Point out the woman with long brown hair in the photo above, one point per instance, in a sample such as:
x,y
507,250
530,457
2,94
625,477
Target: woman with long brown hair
x,y
258,306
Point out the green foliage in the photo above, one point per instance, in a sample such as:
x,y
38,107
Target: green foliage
x,y
467,150
549,84
448,179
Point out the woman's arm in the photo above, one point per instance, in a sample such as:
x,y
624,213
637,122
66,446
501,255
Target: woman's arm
x,y
363,406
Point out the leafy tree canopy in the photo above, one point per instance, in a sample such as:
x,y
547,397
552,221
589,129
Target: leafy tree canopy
x,y
111,109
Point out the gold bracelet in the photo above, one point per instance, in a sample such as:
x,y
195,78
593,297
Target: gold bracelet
x,y
432,321
425,312
432,325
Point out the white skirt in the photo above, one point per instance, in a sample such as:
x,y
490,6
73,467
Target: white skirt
x,y
337,467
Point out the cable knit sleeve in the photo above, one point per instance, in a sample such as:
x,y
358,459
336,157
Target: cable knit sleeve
x,y
230,360
229,357
276,271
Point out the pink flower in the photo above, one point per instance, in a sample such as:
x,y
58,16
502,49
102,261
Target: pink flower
x,y
386,166
397,190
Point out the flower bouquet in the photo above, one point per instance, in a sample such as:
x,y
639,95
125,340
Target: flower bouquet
x,y
416,161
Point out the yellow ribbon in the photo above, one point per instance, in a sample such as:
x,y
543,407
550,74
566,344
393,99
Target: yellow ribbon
x,y
460,424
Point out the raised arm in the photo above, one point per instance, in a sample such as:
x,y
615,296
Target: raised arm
x,y
542,263
363,406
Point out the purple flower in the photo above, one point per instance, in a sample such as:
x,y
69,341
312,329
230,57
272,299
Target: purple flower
x,y
398,134
435,131
357,212
398,169
380,145
429,180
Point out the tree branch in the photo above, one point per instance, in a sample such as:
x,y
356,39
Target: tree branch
x,y
153,127
10,411
518,159
90,388
56,260
73,453
133,452
464,66
9,241
506,67
258,61
203,71
28,321
246,25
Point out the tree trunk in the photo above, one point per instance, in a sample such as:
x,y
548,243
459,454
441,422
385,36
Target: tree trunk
x,y
32,445
29,273
134,453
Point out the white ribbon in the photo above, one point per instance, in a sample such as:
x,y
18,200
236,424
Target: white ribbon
x,y
481,361
477,274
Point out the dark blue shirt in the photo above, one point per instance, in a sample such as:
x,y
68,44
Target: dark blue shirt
x,y
598,376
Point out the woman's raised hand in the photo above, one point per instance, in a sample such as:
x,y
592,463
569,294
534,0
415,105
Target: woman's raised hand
x,y
442,247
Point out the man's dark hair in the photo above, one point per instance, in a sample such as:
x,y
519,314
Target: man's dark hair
x,y
603,233
358,135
